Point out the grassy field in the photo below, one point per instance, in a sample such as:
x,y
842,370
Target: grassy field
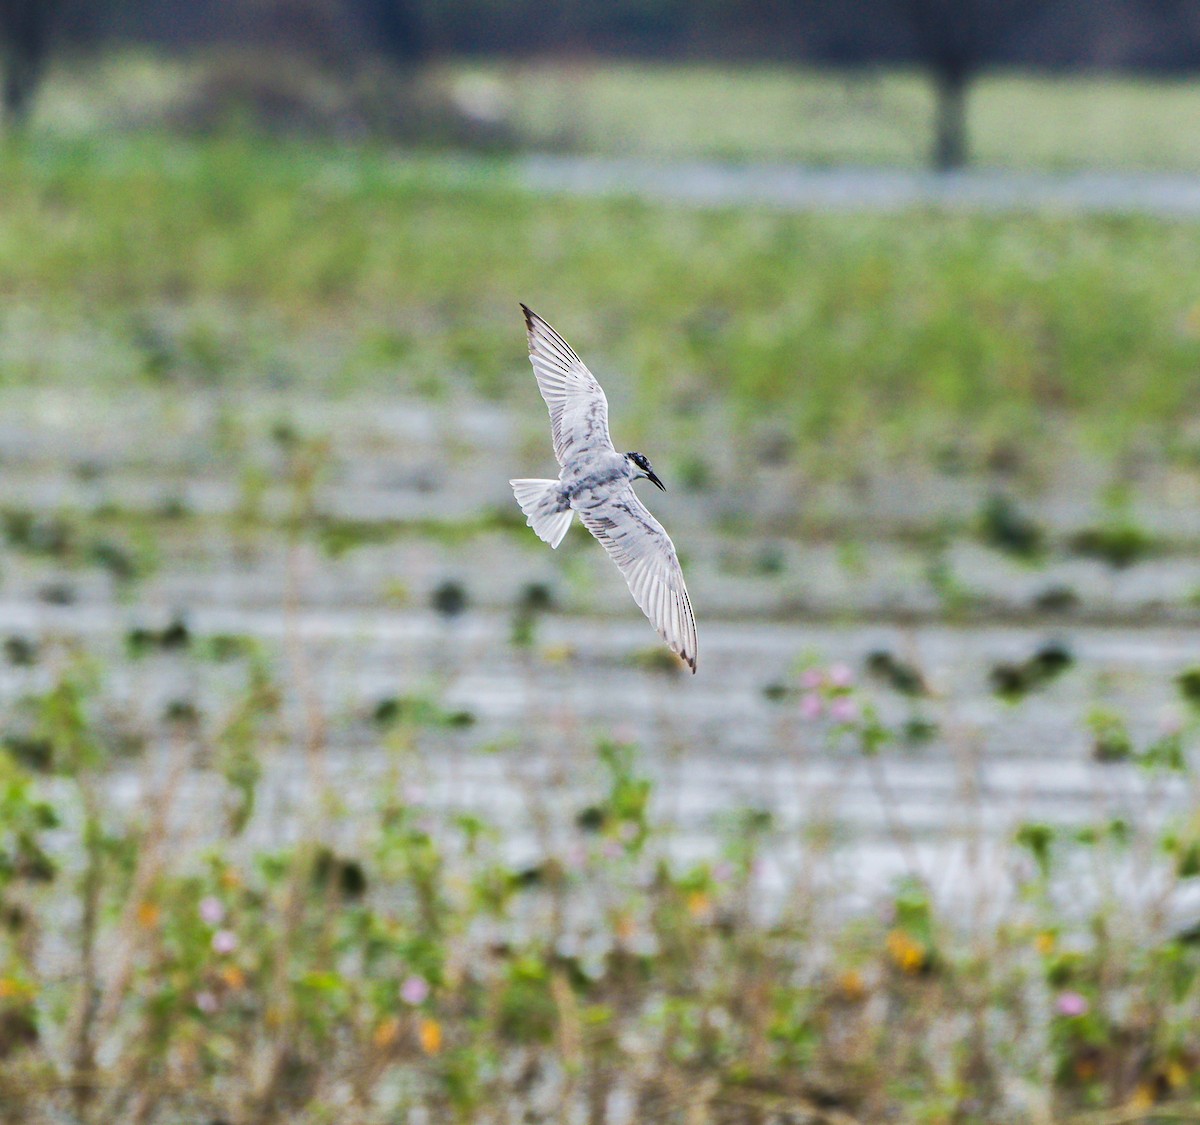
x,y
390,959
749,113
229,888
243,262
823,117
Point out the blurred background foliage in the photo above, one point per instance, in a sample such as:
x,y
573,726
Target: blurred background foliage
x,y
327,793
344,43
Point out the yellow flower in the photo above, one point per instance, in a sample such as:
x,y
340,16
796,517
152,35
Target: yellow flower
x,y
853,986
11,988
699,904
148,914
908,955
1177,1074
1044,942
233,977
386,1033
625,926
1143,1097
430,1035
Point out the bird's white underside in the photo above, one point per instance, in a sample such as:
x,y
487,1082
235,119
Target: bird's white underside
x,y
633,538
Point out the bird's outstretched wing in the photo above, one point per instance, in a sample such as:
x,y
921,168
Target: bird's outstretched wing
x,y
578,408
643,550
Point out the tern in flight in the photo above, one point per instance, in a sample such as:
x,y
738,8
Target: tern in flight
x,y
597,482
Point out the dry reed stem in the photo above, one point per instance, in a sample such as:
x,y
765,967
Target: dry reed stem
x,y
151,859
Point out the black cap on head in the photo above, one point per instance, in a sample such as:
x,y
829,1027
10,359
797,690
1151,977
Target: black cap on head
x,y
643,463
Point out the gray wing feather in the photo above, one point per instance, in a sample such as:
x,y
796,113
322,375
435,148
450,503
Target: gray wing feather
x,y
578,408
643,551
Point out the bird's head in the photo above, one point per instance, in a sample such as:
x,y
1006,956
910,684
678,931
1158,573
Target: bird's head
x,y
642,463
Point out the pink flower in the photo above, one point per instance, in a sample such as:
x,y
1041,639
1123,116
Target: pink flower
x,y
811,679
722,871
1071,1004
206,1002
843,710
224,941
414,990
212,912
810,706
1170,723
841,676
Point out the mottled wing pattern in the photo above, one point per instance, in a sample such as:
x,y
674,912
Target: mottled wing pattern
x,y
578,408
643,550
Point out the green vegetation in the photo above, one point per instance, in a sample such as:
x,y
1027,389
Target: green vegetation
x,y
224,893
75,540
1012,681
748,113
241,262
1119,544
414,965
830,117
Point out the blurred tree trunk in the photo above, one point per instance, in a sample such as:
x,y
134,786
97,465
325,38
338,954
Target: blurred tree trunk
x,y
949,42
398,31
25,35
955,41
950,127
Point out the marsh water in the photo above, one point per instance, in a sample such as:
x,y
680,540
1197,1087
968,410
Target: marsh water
x,y
370,547
800,188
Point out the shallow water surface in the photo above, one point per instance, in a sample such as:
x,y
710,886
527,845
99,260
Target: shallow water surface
x,y
347,628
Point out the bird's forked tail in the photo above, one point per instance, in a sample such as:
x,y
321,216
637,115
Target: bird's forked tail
x,y
541,502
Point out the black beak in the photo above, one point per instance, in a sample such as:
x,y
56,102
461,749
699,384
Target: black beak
x,y
650,476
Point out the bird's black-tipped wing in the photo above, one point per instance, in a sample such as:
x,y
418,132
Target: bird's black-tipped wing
x,y
578,408
640,546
